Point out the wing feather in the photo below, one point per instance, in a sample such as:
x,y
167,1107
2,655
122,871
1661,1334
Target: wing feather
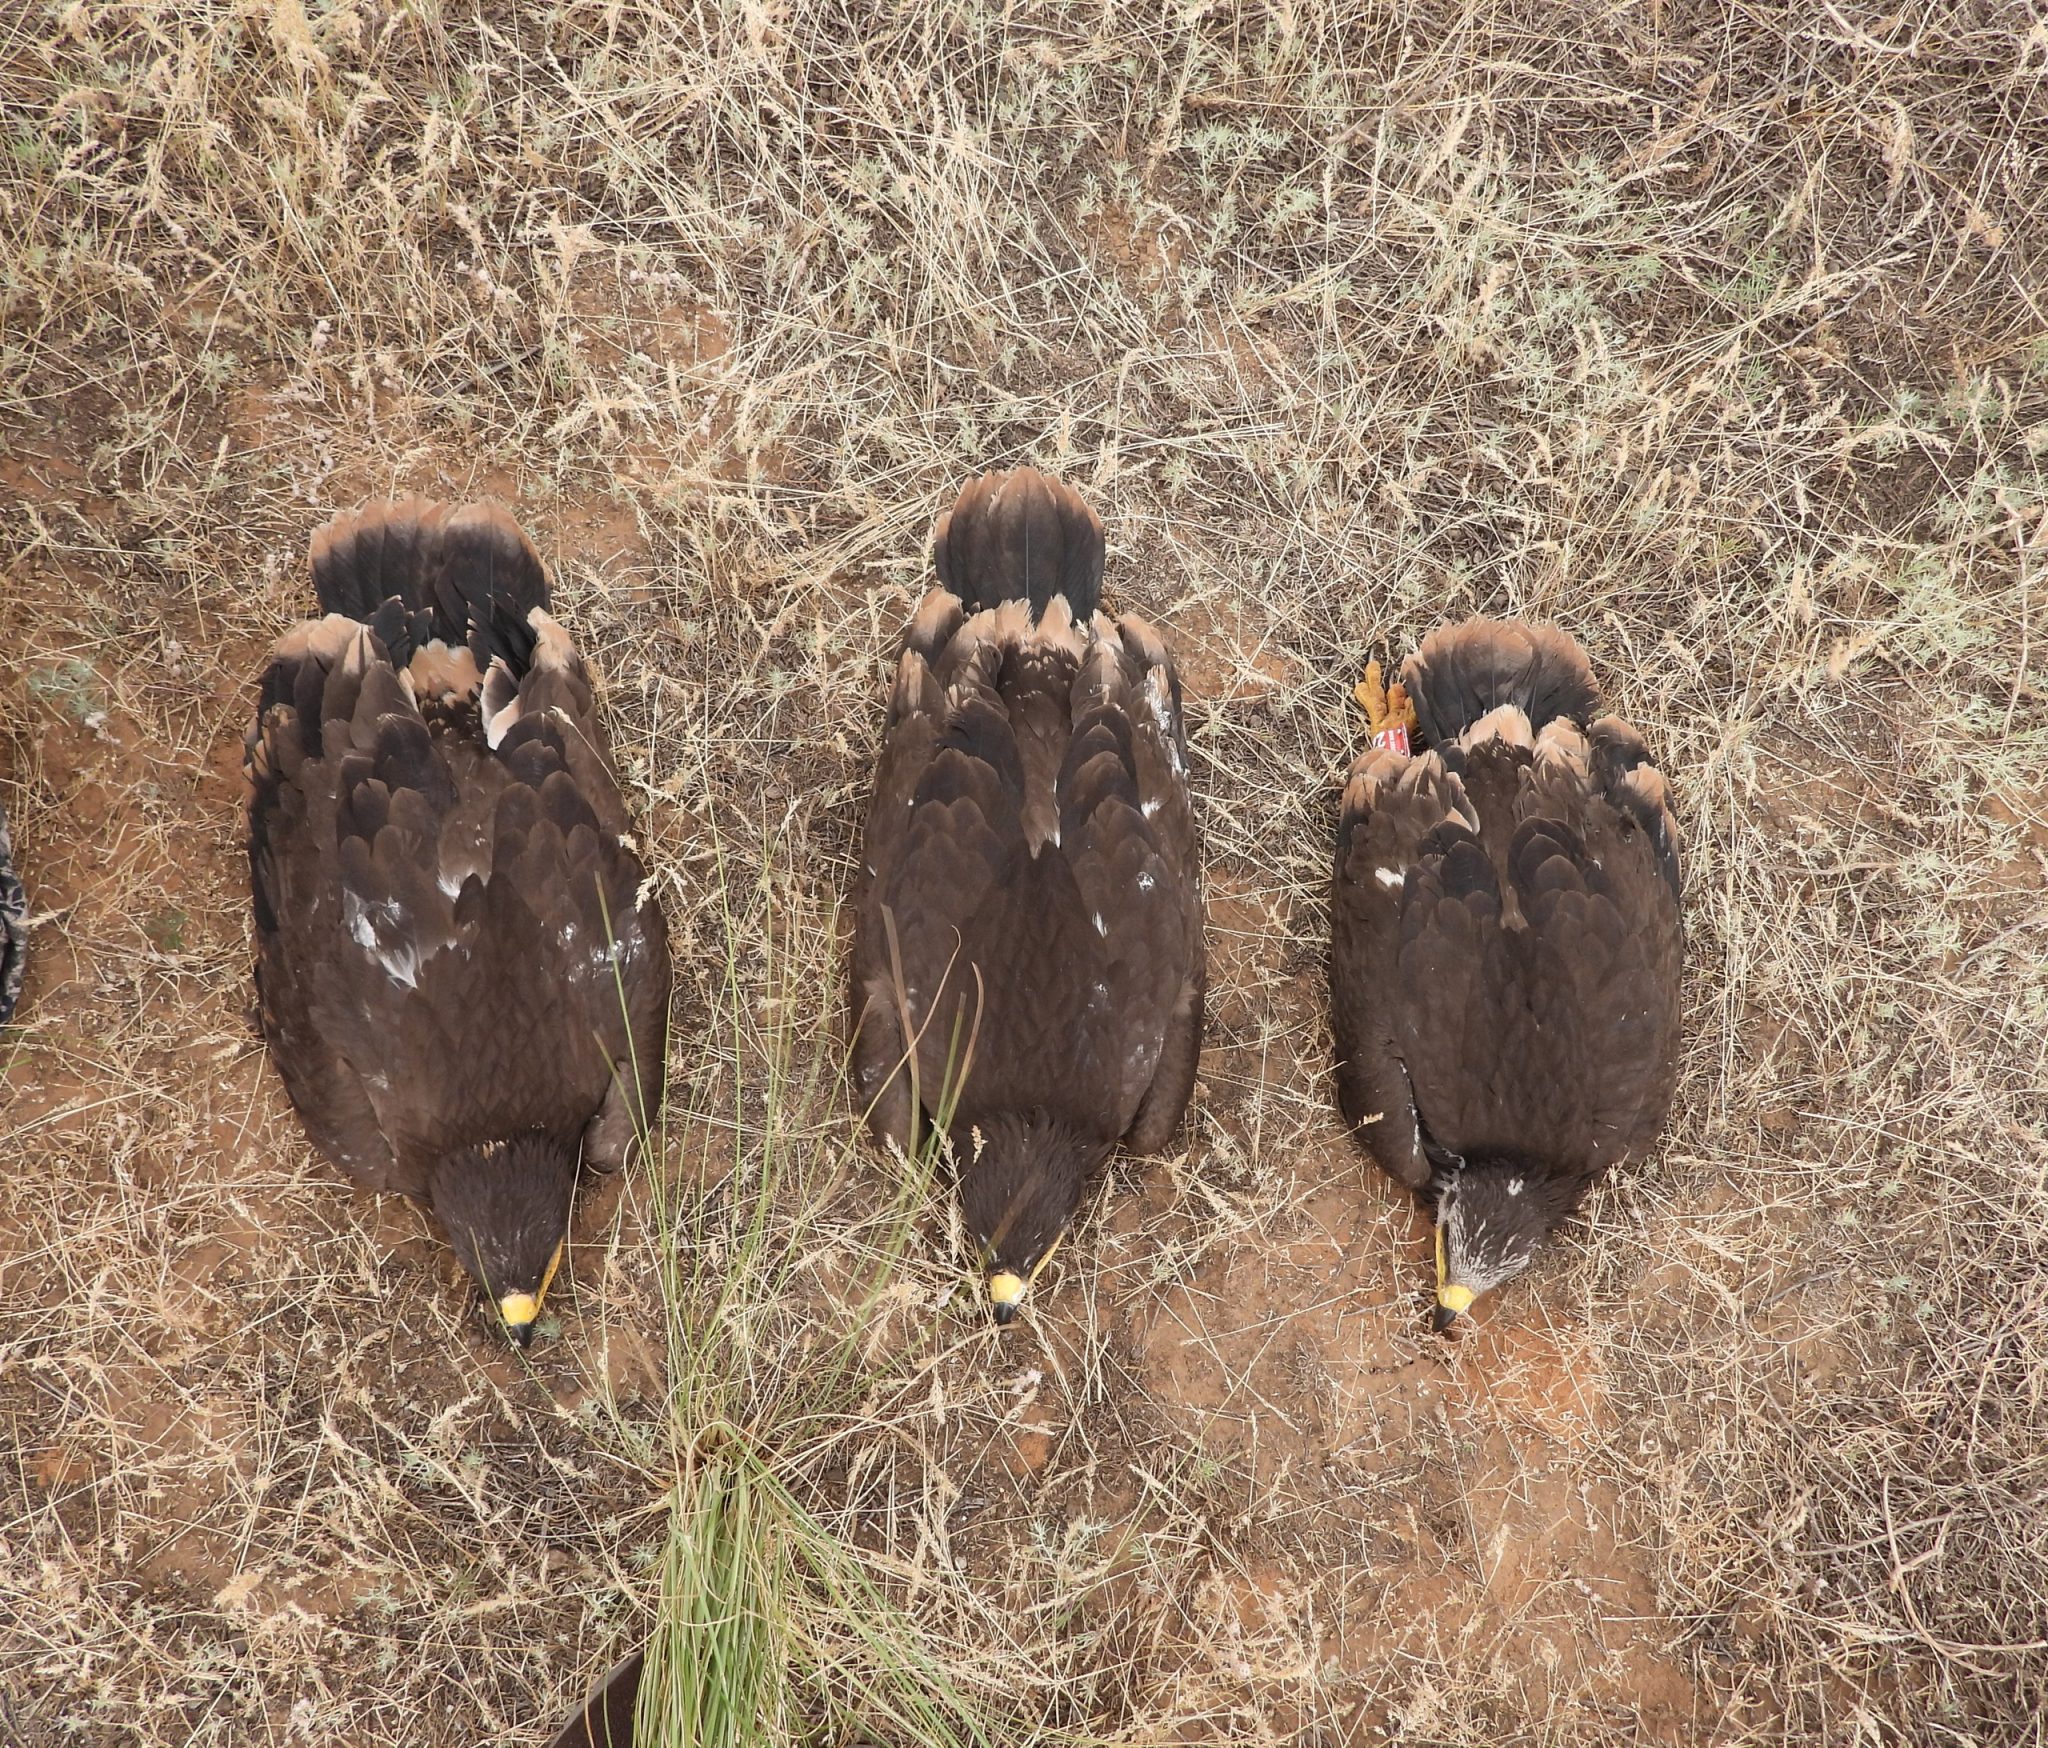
x,y
455,939
1030,856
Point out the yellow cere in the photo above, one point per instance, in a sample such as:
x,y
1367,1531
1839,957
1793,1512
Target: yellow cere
x,y
1006,1289
1453,1296
521,1309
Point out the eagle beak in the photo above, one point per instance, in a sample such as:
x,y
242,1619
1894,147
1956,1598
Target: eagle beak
x,y
1453,1298
520,1312
1006,1290
1005,1294
1452,1302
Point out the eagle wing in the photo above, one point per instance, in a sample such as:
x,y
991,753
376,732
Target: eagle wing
x,y
1028,877
1538,958
1391,805
453,940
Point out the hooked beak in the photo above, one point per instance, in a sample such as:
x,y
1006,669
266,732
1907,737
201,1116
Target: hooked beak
x,y
1453,1298
1006,1289
1005,1294
520,1312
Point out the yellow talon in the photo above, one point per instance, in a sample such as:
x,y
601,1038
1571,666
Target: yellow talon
x,y
1385,706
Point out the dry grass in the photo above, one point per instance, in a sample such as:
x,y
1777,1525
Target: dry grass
x,y
1716,334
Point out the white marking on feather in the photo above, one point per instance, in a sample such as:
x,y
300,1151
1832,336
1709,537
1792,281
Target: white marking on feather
x,y
1160,699
355,917
1389,876
1101,927
400,963
1145,881
1149,808
499,703
450,884
1514,1186
552,646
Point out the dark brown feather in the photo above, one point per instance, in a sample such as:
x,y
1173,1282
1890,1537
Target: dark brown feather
x,y
1020,536
605,1720
453,942
1030,873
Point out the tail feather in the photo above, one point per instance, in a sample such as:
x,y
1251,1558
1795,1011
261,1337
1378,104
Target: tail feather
x,y
1020,536
1464,671
416,571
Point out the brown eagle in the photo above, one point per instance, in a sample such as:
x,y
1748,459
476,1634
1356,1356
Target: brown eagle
x,y
1027,958
462,975
1504,955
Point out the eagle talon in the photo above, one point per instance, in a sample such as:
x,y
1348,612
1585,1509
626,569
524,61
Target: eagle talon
x,y
1389,714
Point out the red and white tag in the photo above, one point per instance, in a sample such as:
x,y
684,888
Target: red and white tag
x,y
1394,738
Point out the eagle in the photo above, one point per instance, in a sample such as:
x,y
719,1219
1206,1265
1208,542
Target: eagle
x,y
1028,967
461,971
1505,943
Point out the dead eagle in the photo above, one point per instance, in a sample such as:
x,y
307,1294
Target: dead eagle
x,y
1504,954
461,977
1030,900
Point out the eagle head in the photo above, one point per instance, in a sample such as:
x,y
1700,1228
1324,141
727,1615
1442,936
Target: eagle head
x,y
1021,1179
1490,1216
505,1208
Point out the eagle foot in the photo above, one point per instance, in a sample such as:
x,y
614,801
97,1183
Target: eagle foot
x,y
1388,713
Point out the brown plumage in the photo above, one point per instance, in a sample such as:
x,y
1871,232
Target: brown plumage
x,y
1030,879
1505,945
462,982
